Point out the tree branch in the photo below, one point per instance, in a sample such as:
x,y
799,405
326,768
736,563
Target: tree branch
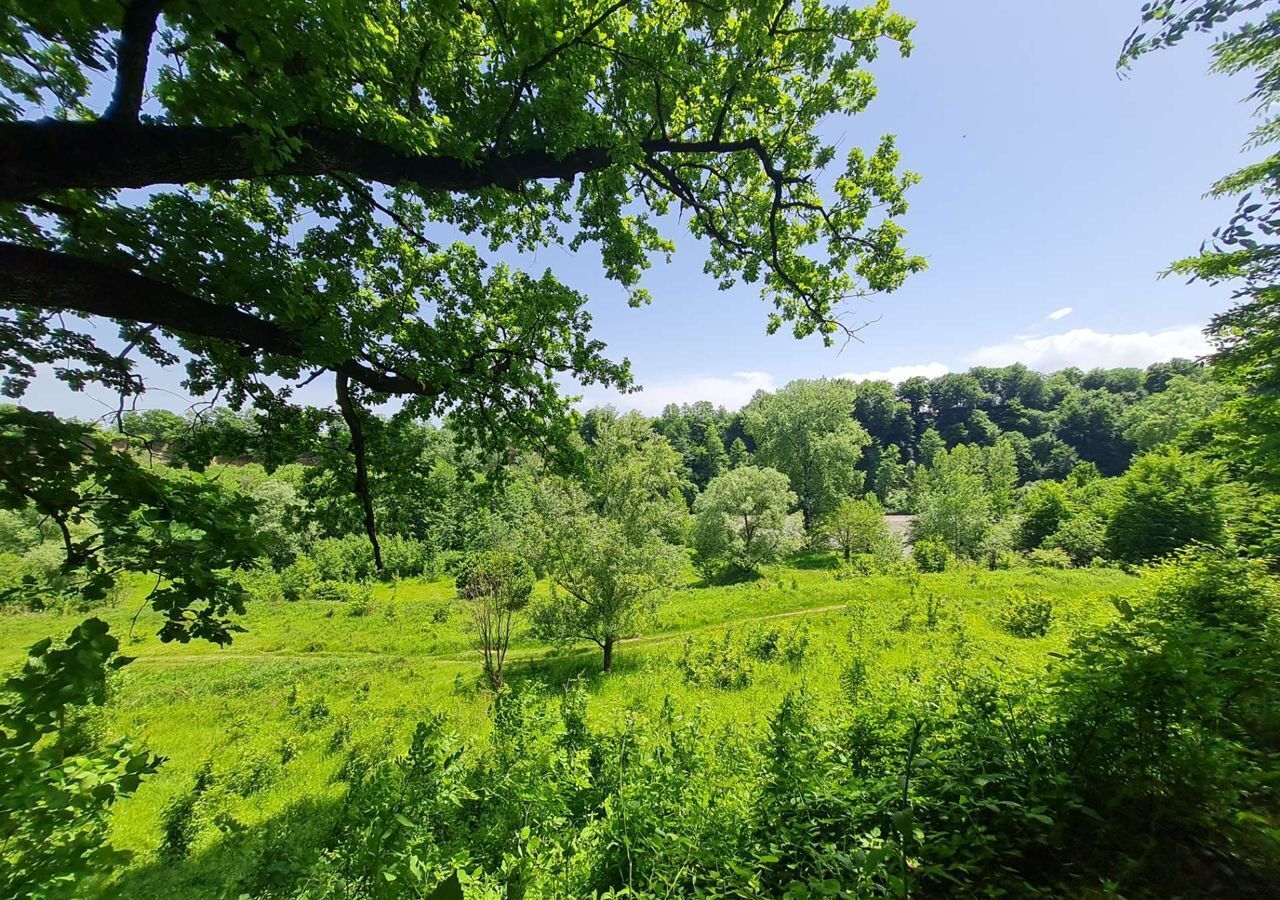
x,y
47,155
44,279
132,49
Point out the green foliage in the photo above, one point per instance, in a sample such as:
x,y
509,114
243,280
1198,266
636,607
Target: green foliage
x,y
930,555
1168,725
1166,501
497,585
178,822
741,521
719,664
807,432
1243,252
57,786
953,503
858,526
1184,406
1092,423
307,208
177,526
606,545
1049,558
1026,616
1082,538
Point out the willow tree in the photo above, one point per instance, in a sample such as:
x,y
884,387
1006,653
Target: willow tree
x,y
270,193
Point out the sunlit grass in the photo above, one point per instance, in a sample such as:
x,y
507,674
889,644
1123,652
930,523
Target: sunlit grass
x,y
307,681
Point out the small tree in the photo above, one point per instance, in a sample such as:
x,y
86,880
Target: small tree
x,y
953,505
741,520
497,585
1045,507
858,526
605,543
605,582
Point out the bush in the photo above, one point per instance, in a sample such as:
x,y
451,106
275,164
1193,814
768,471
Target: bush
x,y
297,580
719,664
340,592
347,558
1025,616
853,679
262,585
867,565
1166,501
1046,558
1082,537
179,824
1045,506
795,644
1169,722
405,557
762,642
930,555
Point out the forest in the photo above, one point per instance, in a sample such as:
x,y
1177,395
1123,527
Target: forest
x,y
996,633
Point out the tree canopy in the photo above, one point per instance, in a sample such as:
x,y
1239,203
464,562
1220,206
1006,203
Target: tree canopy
x,y
306,166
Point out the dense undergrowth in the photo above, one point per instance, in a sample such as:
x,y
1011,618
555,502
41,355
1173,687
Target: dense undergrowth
x,y
807,733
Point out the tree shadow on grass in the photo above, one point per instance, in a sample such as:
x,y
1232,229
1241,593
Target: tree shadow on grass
x,y
729,577
814,560
584,665
270,857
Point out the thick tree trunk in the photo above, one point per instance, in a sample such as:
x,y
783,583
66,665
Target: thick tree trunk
x,y
608,655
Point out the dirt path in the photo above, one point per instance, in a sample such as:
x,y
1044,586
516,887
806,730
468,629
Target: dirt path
x,y
515,656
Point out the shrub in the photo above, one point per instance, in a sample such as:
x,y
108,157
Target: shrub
x,y
1166,501
1082,537
718,664
262,585
762,642
347,558
866,565
859,527
340,592
795,644
296,580
496,586
1026,616
853,679
930,555
1045,507
997,543
179,824
1049,558
1168,721
405,557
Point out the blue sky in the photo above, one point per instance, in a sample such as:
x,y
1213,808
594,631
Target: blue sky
x,y
1049,184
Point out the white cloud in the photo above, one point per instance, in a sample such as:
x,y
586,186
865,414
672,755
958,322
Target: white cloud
x,y
1060,313
731,392
1087,349
899,374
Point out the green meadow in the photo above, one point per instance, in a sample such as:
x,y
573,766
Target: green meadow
x,y
274,715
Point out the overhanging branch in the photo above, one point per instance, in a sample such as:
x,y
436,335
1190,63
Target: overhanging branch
x,y
48,155
44,279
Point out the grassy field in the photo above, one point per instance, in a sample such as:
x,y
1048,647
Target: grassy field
x,y
275,714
